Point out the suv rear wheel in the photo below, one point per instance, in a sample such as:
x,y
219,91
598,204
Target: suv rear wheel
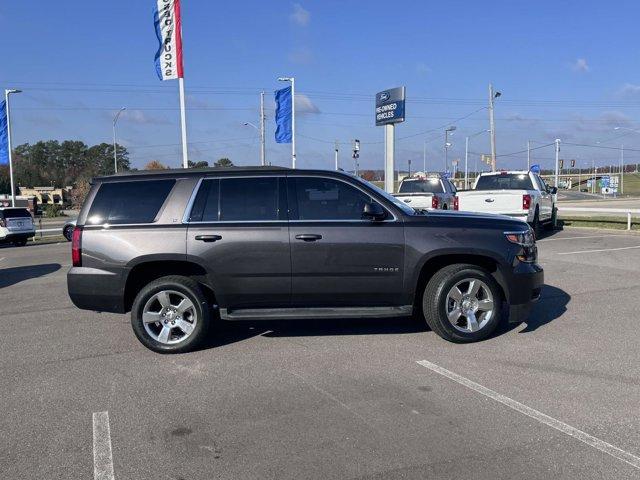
x,y
462,303
171,315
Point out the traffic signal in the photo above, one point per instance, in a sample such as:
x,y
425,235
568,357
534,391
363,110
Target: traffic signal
x,y
573,163
561,164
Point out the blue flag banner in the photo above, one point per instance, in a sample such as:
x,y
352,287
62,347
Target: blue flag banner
x,y
283,115
4,135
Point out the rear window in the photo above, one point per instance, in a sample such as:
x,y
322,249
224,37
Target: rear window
x,y
239,199
15,213
421,186
509,181
129,202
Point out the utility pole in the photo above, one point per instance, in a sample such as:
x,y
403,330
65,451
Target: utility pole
x,y
528,155
115,145
621,169
555,178
336,154
492,126
263,160
424,156
409,167
466,163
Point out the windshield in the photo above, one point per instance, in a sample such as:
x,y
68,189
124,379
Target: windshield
x,y
432,185
401,205
509,181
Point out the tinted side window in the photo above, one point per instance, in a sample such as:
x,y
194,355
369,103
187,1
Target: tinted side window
x,y
249,199
15,213
207,203
327,199
129,202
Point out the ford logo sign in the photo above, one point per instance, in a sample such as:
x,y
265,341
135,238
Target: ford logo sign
x,y
384,96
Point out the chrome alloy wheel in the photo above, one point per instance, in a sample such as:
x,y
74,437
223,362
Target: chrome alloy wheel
x,y
169,317
470,305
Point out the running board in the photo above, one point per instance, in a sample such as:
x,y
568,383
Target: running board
x,y
319,313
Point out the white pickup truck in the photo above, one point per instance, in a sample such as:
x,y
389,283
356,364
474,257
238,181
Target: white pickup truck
x,y
427,192
518,194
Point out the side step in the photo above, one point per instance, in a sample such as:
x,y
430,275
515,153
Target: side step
x,y
305,313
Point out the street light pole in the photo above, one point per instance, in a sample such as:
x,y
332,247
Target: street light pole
x,y
8,113
492,125
263,156
424,156
528,155
466,163
336,154
555,178
621,169
115,147
447,145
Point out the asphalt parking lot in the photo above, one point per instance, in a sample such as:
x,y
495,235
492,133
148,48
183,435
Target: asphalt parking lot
x,y
557,397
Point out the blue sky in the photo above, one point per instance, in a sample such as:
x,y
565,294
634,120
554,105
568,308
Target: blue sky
x,y
566,70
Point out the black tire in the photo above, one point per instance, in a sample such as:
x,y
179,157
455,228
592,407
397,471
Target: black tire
x,y
552,224
68,233
20,242
434,302
535,225
193,292
444,207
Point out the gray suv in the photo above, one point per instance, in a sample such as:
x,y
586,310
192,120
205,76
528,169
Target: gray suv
x,y
180,249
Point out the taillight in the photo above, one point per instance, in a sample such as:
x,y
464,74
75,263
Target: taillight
x,y
456,203
434,202
526,202
3,223
76,247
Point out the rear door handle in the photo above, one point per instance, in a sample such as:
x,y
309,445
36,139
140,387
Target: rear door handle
x,y
208,238
308,237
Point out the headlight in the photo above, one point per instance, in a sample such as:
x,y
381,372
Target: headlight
x,y
524,239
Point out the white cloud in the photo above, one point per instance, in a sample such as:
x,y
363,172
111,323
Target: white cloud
x,y
300,16
580,65
422,68
629,89
301,55
141,118
305,105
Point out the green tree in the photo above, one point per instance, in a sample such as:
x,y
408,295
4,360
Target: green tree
x,y
5,182
223,162
201,164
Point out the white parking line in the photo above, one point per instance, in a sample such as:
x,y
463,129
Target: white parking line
x,y
584,437
600,250
579,238
102,457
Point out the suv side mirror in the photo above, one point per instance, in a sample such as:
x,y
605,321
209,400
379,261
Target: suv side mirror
x,y
553,190
373,211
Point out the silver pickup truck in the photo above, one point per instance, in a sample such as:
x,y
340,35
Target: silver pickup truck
x,y
428,192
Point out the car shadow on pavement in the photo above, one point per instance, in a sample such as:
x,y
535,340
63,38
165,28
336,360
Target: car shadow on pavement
x,y
11,276
552,305
231,332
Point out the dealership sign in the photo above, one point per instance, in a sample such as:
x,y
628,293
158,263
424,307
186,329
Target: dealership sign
x,y
390,106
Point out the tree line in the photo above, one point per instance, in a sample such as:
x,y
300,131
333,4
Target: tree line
x,y
71,163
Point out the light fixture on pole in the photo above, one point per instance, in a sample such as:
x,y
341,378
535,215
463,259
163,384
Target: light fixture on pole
x,y
292,80
8,113
466,157
452,128
259,130
115,145
492,125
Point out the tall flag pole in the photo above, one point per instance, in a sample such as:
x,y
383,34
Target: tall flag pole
x,y
286,116
169,64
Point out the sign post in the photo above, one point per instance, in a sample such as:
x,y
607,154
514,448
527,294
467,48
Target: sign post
x,y
389,111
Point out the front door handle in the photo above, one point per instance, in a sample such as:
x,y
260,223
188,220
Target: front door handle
x,y
308,237
208,238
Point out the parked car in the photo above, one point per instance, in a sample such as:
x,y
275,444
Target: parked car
x,y
16,226
428,192
67,229
519,194
182,248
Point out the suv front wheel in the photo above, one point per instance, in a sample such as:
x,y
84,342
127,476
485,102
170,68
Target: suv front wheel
x,y
171,315
462,303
